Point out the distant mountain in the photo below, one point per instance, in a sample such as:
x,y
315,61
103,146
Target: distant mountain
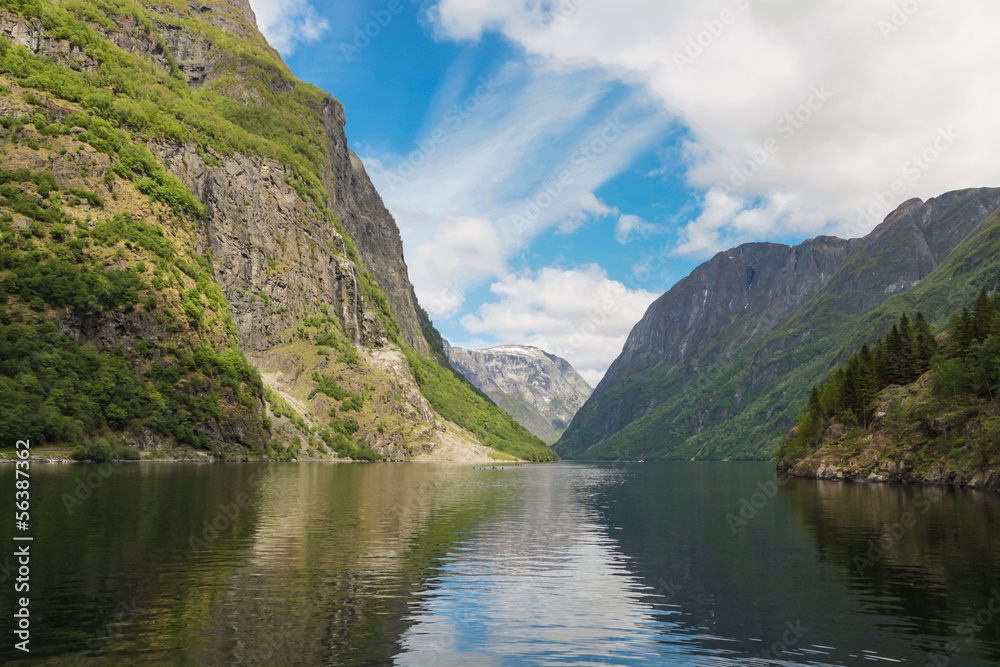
x,y
720,365
540,390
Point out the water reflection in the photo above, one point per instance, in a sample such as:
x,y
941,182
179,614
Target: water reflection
x,y
543,584
334,560
919,560
560,564
549,583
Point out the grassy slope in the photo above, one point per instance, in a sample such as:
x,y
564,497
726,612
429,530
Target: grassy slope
x,y
129,100
824,337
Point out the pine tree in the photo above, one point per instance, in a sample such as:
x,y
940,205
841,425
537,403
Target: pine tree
x,y
867,384
905,328
910,365
837,403
926,344
895,354
817,416
829,395
964,332
982,316
881,364
849,388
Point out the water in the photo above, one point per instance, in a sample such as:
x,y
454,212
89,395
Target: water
x,y
409,564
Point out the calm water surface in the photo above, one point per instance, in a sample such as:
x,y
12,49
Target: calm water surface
x,y
654,563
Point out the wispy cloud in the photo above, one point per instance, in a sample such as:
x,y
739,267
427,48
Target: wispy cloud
x,y
287,24
519,152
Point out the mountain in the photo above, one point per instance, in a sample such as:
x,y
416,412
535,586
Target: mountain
x,y
720,365
540,390
193,250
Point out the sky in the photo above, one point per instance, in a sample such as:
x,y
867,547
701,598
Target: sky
x,y
554,166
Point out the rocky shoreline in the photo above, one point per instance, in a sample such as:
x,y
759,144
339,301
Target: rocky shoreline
x,y
830,468
444,455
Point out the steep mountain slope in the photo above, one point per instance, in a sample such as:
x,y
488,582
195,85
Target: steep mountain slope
x,y
165,149
719,364
540,390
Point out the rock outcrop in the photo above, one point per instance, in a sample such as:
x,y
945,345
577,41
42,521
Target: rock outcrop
x,y
897,449
371,226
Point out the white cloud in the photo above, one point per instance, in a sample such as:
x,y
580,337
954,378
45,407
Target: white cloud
x,y
845,93
462,247
286,24
579,314
633,224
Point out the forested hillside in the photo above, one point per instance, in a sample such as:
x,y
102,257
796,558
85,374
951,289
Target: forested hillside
x,y
913,407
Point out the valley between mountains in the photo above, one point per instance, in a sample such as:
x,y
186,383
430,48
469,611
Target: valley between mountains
x,y
195,263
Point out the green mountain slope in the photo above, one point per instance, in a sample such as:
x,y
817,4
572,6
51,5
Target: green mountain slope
x,y
741,392
188,244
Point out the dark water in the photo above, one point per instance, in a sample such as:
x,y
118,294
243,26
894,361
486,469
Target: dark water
x,y
325,564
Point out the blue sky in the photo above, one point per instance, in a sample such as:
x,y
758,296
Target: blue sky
x,y
556,166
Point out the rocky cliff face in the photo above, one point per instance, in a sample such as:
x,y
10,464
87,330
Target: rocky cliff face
x,y
540,390
724,342
737,296
372,227
258,227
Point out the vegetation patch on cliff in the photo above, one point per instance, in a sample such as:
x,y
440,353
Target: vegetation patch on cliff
x,y
109,332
